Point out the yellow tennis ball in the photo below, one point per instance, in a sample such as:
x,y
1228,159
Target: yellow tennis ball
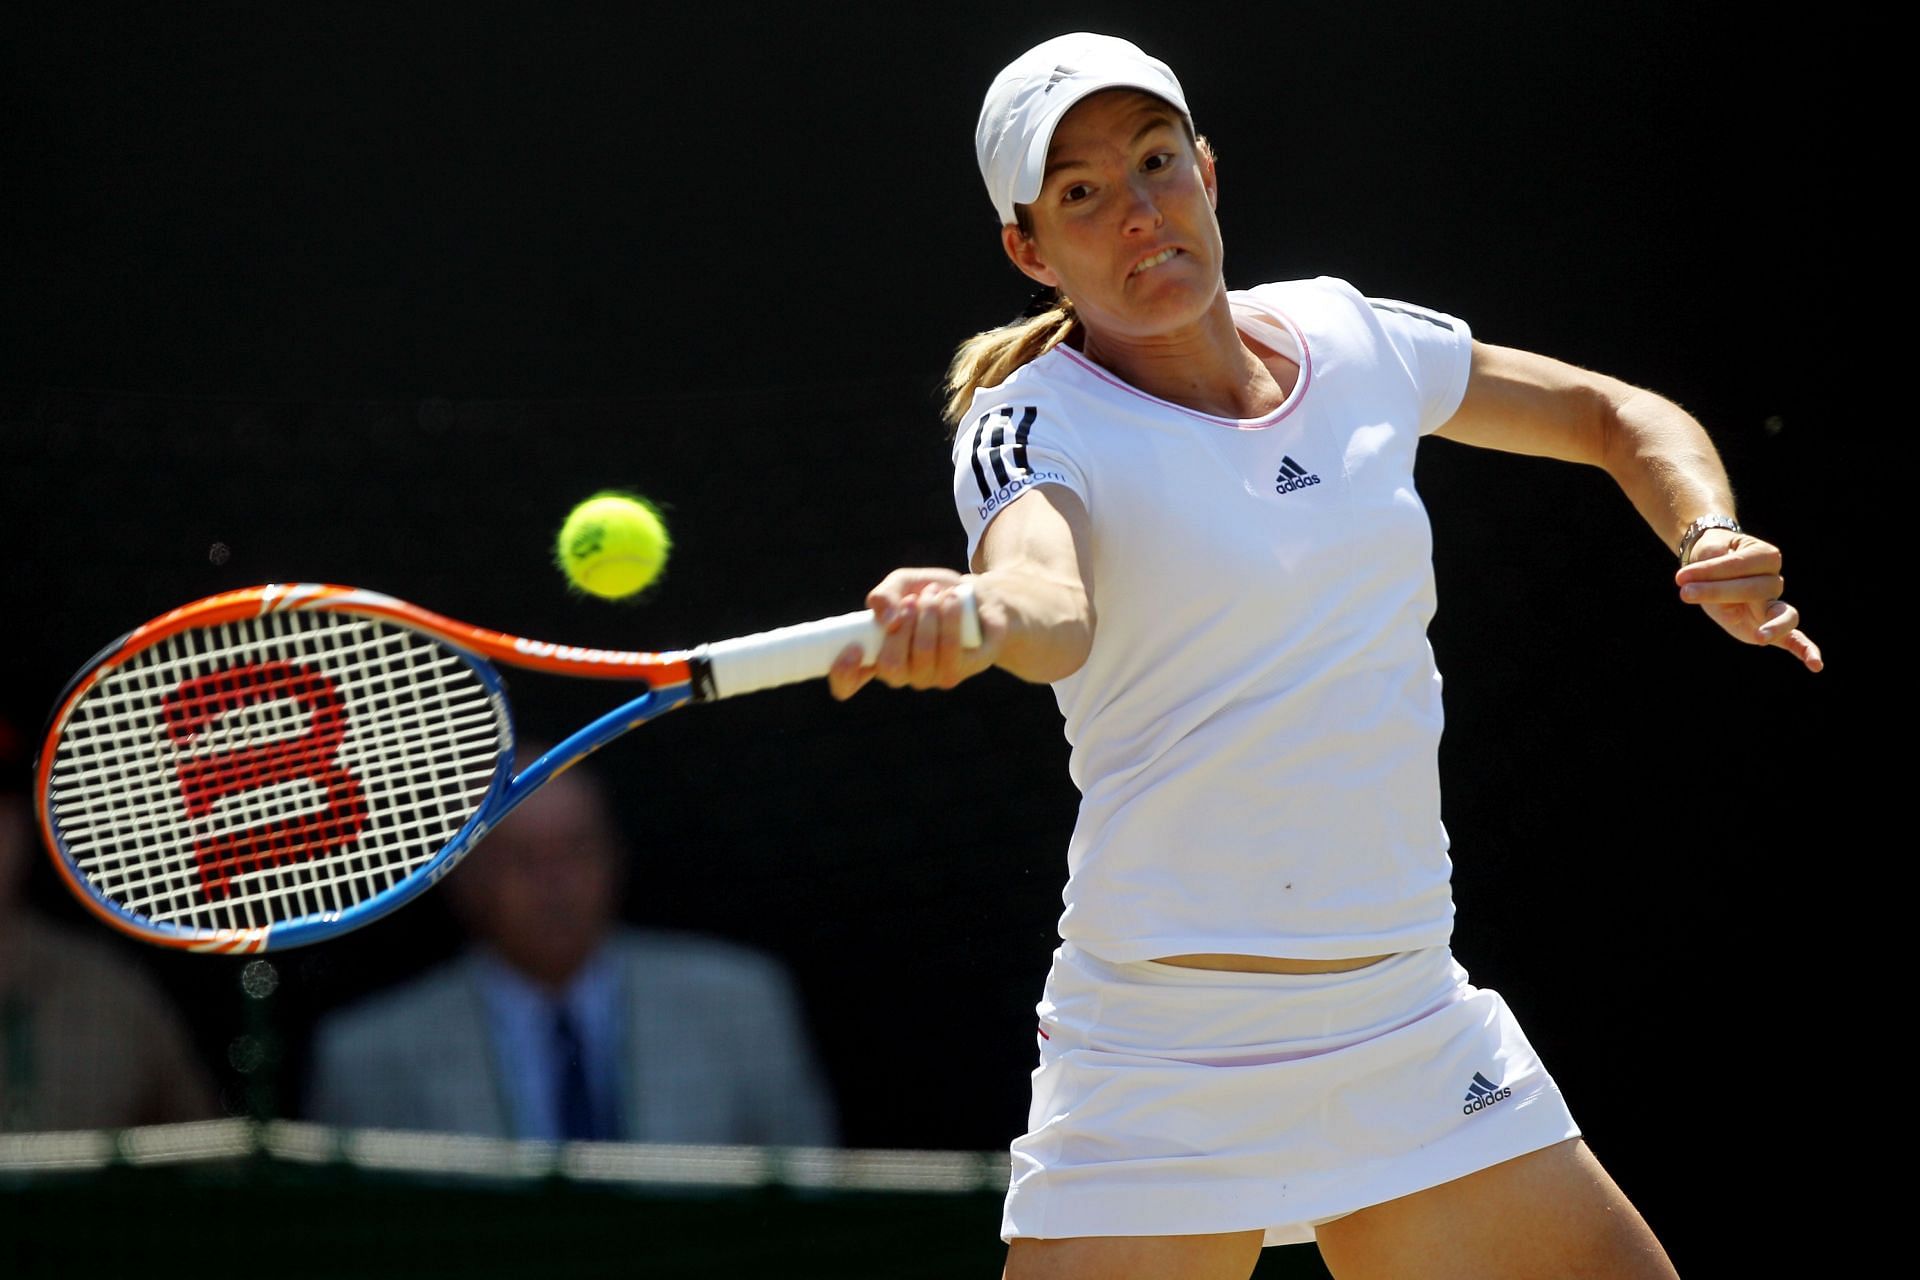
x,y
612,545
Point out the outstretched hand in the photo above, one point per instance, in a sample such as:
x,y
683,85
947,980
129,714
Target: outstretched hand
x,y
920,611
1736,578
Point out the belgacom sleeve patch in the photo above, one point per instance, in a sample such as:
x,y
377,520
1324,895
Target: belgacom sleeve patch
x,y
1003,463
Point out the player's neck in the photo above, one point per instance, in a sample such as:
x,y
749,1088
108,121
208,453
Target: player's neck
x,y
1205,367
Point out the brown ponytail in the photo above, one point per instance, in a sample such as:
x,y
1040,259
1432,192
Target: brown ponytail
x,y
989,359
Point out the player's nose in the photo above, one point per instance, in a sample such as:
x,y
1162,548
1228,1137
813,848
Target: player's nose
x,y
1142,211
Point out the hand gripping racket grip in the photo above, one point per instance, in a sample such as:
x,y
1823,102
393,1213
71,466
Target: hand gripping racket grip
x,y
787,655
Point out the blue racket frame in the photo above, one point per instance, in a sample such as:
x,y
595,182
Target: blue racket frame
x,y
505,792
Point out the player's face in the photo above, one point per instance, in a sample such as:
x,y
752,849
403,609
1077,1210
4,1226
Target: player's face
x,y
1124,224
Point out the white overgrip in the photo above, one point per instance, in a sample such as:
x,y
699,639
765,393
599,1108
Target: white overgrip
x,y
787,655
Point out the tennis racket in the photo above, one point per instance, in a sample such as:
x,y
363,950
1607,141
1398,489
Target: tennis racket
x,y
270,767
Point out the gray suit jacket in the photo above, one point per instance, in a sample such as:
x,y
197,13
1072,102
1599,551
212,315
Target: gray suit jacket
x,y
716,1052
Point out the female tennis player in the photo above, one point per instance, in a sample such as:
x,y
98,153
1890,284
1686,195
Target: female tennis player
x,y
1191,510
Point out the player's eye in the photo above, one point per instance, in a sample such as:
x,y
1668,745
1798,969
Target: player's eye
x,y
1157,161
1075,192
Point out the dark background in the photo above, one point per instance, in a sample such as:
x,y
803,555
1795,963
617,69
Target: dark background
x,y
372,293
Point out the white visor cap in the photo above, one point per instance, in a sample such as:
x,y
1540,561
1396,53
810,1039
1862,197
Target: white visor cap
x,y
1028,98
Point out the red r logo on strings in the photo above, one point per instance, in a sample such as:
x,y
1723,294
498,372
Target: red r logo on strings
x,y
206,780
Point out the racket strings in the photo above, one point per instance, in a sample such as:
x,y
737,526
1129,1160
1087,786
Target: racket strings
x,y
287,766
262,806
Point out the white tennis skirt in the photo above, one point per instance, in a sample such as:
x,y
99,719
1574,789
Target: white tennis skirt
x,y
1173,1101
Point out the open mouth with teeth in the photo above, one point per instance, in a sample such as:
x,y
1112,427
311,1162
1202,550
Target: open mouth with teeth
x,y
1147,264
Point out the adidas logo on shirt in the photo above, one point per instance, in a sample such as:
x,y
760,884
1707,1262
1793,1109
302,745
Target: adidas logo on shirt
x,y
1292,476
1483,1093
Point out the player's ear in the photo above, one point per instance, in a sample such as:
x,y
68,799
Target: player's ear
x,y
1025,254
1209,170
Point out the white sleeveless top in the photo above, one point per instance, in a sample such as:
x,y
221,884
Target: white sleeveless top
x,y
1255,732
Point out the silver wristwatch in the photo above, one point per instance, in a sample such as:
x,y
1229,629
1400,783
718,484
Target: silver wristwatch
x,y
1700,526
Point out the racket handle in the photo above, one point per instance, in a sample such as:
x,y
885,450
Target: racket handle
x,y
806,651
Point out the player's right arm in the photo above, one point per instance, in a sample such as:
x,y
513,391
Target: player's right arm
x,y
1033,582
1034,568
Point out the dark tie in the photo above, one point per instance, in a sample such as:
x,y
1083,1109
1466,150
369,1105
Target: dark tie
x,y
577,1122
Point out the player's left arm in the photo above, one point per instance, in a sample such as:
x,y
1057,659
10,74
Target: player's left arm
x,y
1660,456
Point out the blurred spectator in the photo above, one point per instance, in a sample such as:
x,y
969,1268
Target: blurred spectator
x,y
559,1023
87,1040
